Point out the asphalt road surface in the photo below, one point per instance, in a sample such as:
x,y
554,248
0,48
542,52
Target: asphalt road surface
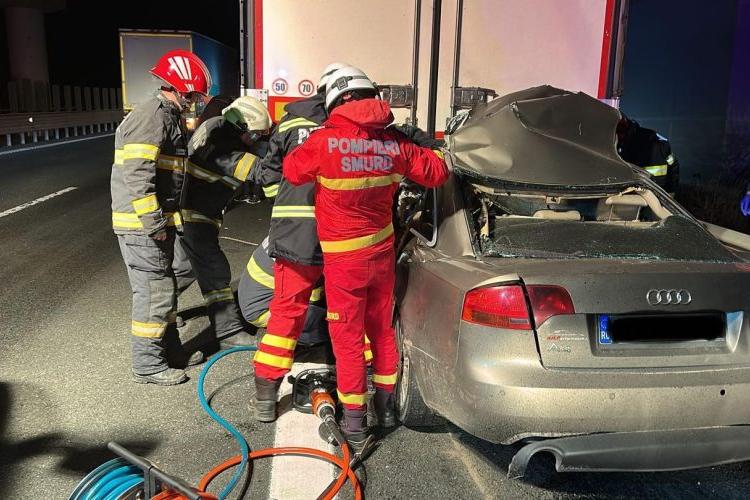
x,y
65,387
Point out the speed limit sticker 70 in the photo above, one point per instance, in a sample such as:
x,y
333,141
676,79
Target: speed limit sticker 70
x,y
306,88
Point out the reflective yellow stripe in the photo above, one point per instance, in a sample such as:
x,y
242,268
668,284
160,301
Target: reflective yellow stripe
x,y
297,122
201,173
439,154
193,216
360,182
243,167
273,360
262,320
385,379
148,330
657,170
258,274
169,162
222,295
124,220
280,212
357,243
368,351
277,341
147,204
140,152
352,399
271,191
119,156
316,294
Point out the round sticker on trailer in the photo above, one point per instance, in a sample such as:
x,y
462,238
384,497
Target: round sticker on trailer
x,y
306,88
280,86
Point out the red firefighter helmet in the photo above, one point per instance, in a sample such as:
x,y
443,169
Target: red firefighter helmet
x,y
183,71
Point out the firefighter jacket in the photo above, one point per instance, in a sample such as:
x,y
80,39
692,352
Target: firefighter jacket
x,y
293,235
652,152
357,165
218,164
148,169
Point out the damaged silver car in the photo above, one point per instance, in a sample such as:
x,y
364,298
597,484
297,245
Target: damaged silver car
x,y
551,293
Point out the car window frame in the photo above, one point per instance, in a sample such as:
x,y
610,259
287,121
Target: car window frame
x,y
432,241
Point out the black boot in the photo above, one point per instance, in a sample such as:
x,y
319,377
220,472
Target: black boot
x,y
354,427
385,408
170,376
264,402
237,339
177,356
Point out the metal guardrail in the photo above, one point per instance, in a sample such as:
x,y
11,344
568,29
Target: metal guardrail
x,y
38,126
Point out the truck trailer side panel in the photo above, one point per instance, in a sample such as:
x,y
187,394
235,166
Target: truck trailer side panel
x,y
506,45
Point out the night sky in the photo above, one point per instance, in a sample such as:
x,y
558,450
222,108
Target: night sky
x,y
83,52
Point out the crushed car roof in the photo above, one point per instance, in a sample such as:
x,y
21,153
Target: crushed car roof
x,y
542,136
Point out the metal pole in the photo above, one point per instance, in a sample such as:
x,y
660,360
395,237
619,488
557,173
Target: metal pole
x,y
250,43
457,53
434,60
243,46
415,58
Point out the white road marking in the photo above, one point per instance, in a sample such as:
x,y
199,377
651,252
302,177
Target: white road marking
x,y
238,240
53,144
37,201
288,481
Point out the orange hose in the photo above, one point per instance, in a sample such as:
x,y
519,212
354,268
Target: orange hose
x,y
342,463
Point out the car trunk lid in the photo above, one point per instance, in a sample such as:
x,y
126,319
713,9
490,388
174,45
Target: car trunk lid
x,y
643,314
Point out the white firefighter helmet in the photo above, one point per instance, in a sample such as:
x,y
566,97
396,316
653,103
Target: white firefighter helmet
x,y
328,71
346,80
248,113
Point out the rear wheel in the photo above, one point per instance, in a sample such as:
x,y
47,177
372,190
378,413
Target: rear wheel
x,y
410,407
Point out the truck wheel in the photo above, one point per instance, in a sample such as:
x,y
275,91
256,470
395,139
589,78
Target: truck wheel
x,y
410,407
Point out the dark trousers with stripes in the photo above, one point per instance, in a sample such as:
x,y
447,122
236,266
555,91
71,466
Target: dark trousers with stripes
x,y
158,272
211,267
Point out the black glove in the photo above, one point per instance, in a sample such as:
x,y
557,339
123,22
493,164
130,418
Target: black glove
x,y
419,136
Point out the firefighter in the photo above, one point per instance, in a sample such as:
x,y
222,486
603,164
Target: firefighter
x,y
293,243
222,153
146,184
649,150
356,166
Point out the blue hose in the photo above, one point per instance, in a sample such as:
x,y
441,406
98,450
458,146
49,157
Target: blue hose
x,y
112,479
244,447
109,480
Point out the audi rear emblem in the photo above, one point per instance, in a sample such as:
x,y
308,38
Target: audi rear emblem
x,y
668,297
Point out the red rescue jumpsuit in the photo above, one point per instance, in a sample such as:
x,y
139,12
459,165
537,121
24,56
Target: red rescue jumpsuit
x,y
357,166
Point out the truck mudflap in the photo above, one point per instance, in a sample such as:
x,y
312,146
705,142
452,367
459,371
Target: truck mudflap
x,y
641,451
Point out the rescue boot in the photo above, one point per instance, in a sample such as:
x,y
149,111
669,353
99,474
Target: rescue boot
x,y
170,376
264,402
354,427
176,354
238,339
385,408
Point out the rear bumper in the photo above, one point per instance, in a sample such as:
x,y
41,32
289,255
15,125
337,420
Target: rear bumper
x,y
500,392
645,451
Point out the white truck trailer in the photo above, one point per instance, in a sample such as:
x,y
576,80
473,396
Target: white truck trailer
x,y
140,49
443,54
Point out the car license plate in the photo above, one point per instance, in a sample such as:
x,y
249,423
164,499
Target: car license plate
x,y
603,329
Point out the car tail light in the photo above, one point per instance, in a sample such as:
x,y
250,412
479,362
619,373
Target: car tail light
x,y
549,300
497,306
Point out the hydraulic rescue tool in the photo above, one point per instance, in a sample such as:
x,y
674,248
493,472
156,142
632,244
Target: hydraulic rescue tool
x,y
131,477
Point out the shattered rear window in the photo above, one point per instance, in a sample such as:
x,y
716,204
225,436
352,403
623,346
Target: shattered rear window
x,y
675,238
